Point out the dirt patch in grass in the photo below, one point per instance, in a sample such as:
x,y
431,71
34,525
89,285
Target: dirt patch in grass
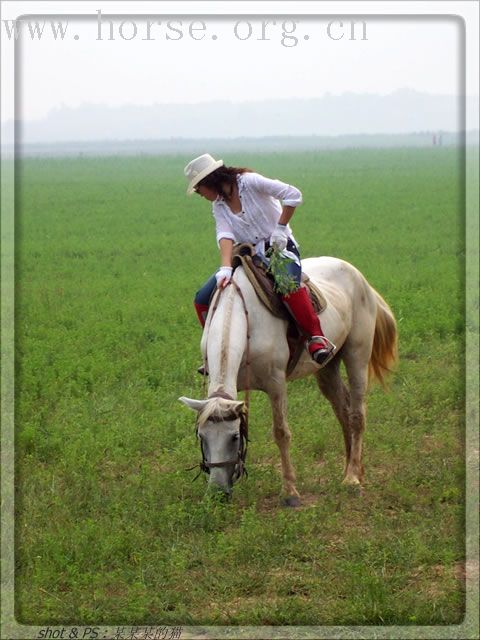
x,y
431,443
461,573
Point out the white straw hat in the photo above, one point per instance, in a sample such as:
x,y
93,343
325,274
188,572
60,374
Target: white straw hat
x,y
198,168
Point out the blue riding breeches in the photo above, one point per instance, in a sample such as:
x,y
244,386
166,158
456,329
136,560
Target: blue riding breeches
x,y
293,269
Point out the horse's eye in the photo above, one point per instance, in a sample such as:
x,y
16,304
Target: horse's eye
x,y
235,437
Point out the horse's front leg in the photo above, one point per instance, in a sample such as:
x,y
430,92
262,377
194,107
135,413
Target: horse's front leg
x,y
282,435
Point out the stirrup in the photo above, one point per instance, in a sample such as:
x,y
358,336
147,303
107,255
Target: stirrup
x,y
323,355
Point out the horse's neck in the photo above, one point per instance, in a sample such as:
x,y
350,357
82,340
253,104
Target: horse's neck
x,y
225,342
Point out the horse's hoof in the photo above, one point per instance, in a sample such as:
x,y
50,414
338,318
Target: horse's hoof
x,y
355,490
291,501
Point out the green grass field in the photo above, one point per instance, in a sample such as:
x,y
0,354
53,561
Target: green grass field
x,y
110,528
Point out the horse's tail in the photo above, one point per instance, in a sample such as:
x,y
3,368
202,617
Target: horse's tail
x,y
385,342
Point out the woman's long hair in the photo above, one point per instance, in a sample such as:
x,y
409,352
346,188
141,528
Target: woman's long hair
x,y
221,177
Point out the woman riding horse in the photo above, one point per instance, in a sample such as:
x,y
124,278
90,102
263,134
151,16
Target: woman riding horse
x,y
249,207
246,345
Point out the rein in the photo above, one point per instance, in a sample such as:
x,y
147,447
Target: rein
x,y
239,461
247,350
218,394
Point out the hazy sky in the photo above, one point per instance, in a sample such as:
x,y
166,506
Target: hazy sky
x,y
421,54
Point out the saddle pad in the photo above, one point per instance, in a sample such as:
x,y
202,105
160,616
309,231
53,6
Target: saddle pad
x,y
262,284
317,297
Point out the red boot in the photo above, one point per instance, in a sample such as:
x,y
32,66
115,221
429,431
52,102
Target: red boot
x,y
300,306
202,311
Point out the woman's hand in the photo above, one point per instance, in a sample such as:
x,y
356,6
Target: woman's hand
x,y
279,237
223,276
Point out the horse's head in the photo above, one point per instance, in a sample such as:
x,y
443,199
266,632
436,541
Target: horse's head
x,y
222,432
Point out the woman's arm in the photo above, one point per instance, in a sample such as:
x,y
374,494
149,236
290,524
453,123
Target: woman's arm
x,y
287,193
287,213
224,274
226,250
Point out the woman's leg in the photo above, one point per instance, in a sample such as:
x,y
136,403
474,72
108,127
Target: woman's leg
x,y
300,306
202,299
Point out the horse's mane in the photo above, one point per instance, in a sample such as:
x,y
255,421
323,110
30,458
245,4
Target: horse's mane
x,y
216,408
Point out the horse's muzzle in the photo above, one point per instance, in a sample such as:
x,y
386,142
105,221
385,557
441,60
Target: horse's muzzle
x,y
220,486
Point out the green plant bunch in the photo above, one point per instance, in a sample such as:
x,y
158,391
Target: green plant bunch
x,y
284,283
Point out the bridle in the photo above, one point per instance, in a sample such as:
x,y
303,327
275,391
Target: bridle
x,y
239,461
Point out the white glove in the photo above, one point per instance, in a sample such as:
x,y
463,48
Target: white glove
x,y
279,237
223,275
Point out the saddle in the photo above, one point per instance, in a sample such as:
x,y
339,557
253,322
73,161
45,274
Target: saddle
x,y
257,273
262,282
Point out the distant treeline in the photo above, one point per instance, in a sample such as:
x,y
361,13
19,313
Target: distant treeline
x,y
270,143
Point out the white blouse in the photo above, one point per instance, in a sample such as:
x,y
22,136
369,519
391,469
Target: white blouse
x,y
261,210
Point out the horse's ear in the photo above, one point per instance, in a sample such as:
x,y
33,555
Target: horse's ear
x,y
239,407
196,405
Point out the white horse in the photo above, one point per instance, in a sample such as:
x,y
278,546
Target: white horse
x,y
246,347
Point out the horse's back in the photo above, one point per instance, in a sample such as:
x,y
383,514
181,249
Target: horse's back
x,y
327,269
338,279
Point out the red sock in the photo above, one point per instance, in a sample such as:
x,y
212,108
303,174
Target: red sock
x,y
202,310
300,306
315,346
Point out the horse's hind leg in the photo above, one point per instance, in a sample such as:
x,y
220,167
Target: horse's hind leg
x,y
357,372
333,388
282,435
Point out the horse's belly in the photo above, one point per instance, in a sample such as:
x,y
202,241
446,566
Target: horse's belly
x,y
305,367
